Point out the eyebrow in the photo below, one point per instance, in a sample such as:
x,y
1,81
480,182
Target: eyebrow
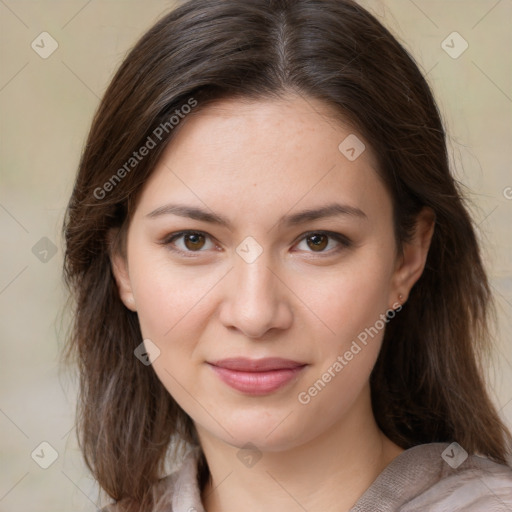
x,y
192,212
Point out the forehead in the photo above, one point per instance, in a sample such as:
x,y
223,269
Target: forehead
x,y
264,157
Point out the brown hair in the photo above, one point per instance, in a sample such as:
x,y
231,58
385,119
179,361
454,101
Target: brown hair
x,y
427,384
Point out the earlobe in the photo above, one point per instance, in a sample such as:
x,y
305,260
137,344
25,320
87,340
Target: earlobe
x,y
412,261
122,277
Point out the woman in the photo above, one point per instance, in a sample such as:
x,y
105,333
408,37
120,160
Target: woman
x,y
274,270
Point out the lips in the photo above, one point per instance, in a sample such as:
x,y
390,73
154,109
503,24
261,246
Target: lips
x,y
256,376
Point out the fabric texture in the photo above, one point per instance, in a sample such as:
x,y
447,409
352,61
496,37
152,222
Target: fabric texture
x,y
419,479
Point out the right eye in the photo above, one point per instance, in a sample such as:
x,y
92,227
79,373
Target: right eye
x,y
189,242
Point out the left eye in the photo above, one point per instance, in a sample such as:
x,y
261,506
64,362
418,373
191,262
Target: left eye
x,y
318,241
195,241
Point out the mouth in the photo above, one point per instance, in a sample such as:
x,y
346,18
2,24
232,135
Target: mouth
x,y
257,376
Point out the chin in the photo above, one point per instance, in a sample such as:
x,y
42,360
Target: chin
x,y
266,431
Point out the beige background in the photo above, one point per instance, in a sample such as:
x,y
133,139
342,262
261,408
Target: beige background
x,y
47,106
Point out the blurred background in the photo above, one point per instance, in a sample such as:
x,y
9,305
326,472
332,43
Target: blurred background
x,y
56,59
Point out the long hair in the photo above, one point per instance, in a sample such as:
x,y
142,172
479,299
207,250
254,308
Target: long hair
x,y
428,383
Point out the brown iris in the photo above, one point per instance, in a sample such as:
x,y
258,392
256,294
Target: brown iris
x,y
319,242
194,241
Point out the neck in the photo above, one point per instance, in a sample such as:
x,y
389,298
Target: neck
x,y
329,472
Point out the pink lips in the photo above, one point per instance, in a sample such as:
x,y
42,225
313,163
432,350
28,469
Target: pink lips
x,y
256,376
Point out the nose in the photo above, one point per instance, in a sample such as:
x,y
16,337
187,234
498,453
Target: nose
x,y
256,300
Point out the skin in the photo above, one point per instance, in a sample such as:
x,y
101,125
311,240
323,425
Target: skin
x,y
254,162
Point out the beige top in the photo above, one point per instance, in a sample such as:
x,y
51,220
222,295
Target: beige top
x,y
419,479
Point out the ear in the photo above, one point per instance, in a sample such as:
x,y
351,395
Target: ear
x,y
411,262
119,262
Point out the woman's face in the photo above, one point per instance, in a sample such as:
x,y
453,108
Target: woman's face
x,y
268,323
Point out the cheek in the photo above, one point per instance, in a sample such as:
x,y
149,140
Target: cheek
x,y
169,298
353,307
348,301
174,306
171,305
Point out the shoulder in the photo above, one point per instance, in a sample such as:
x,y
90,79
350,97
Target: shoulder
x,y
177,491
466,483
162,492
439,477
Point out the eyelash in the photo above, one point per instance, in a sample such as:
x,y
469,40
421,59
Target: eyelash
x,y
344,242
